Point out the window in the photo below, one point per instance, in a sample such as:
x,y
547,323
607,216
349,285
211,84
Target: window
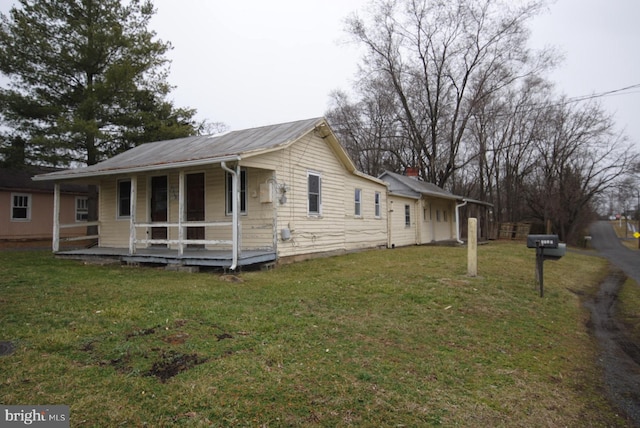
x,y
444,216
82,208
314,188
124,198
358,203
438,215
20,207
426,213
377,204
243,192
407,215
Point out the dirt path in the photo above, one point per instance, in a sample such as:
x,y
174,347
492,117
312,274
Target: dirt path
x,y
620,357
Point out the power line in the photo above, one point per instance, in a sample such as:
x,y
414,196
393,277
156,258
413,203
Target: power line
x,y
602,94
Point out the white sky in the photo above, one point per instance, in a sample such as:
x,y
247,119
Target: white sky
x,y
257,62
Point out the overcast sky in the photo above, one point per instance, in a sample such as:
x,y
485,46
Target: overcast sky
x,y
257,62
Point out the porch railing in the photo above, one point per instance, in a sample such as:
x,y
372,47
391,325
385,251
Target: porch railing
x,y
57,239
181,241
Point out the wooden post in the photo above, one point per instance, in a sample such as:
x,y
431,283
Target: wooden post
x,y
132,215
181,204
56,218
472,247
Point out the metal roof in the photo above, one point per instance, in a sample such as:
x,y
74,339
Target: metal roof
x,y
198,150
417,186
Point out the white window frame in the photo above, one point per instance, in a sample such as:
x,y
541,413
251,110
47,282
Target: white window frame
x,y
317,194
407,215
376,204
119,204
357,200
82,208
244,200
21,197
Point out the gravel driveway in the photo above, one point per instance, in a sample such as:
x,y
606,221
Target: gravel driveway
x,y
620,357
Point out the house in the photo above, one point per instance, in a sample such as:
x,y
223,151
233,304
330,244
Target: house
x,y
27,206
420,213
243,197
273,193
423,213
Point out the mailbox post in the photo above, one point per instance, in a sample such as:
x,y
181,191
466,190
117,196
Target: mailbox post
x,y
547,248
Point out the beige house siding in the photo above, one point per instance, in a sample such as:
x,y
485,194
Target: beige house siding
x,y
367,229
311,233
444,220
426,221
399,233
40,224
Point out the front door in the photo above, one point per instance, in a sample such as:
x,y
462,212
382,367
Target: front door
x,y
159,206
195,206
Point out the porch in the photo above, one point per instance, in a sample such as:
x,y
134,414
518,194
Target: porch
x,y
197,257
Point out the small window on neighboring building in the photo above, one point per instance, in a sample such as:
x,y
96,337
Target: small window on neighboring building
x,y
358,203
444,216
437,215
377,204
407,215
82,208
20,207
124,198
314,189
243,192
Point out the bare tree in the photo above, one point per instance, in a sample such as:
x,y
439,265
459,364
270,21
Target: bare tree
x,y
368,129
441,59
581,157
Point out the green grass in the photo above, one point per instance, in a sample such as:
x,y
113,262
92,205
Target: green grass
x,y
381,338
628,305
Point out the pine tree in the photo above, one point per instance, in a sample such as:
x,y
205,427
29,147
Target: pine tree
x,y
86,79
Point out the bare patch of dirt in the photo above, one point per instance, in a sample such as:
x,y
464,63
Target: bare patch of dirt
x,y
172,363
6,348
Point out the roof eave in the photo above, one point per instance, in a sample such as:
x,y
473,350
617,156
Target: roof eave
x,y
71,175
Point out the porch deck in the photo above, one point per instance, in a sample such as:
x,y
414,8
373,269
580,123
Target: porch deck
x,y
190,256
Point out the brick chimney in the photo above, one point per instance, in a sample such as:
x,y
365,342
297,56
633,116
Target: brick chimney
x,y
411,172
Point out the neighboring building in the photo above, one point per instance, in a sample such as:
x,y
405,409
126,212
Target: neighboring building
x,y
422,212
280,192
27,206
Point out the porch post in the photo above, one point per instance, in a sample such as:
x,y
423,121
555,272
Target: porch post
x,y
235,198
56,218
132,214
236,215
181,198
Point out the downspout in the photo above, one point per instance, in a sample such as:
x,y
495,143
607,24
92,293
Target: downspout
x,y
458,206
234,209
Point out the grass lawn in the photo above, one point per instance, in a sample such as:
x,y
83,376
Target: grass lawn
x,y
380,338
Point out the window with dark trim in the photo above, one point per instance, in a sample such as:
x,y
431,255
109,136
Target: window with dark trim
x,y
407,215
377,204
124,198
358,203
243,192
314,189
82,208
